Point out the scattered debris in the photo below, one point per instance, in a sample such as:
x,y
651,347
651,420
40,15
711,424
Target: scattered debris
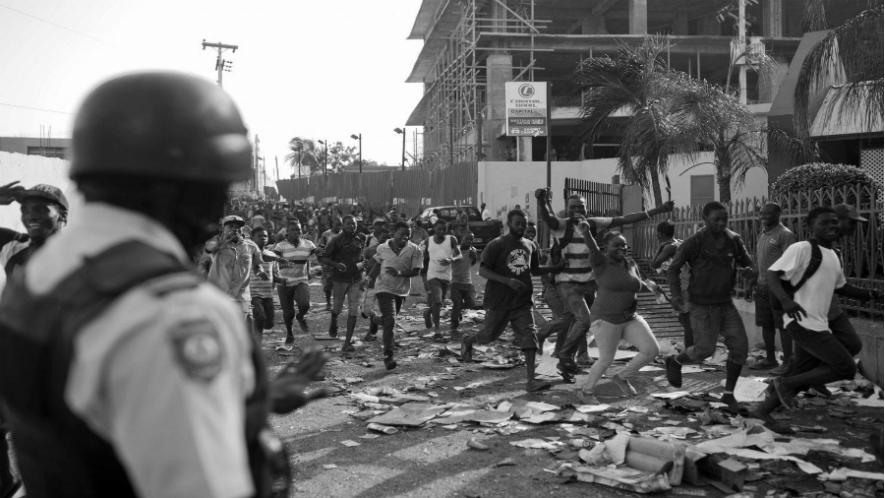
x,y
475,444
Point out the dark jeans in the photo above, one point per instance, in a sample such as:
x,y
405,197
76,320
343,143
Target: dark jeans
x,y
687,331
289,297
463,296
708,322
579,299
388,304
821,357
521,319
262,313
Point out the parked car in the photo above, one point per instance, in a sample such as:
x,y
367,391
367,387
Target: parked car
x,y
460,217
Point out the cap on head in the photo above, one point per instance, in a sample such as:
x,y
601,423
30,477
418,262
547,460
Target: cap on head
x,y
234,219
44,191
160,125
849,212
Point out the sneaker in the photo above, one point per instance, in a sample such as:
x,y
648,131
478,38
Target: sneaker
x,y
347,348
536,385
290,340
427,319
333,330
786,396
369,337
624,385
766,364
389,363
584,361
781,370
821,390
674,371
440,338
303,324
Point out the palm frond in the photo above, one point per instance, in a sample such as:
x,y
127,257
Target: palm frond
x,y
851,53
814,16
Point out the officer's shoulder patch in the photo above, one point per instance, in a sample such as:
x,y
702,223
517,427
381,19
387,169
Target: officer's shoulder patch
x,y
197,349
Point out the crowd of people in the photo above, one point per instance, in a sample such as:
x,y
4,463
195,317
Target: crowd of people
x,y
124,373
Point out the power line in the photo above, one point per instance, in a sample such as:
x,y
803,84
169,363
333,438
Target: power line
x,y
60,26
35,108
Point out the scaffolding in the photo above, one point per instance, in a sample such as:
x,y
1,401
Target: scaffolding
x,y
455,98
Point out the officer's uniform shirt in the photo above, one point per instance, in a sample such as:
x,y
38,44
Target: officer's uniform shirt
x,y
162,376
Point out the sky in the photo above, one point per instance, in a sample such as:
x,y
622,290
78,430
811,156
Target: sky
x,y
316,69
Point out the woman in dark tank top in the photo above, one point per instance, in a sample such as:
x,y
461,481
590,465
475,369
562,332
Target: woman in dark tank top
x,y
613,315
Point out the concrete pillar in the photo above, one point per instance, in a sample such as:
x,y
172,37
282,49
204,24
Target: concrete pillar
x,y
525,149
772,18
593,25
637,13
499,69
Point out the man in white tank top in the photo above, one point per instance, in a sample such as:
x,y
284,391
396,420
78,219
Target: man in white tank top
x,y
441,249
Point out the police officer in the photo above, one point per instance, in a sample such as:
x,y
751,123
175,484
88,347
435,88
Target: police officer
x,y
122,372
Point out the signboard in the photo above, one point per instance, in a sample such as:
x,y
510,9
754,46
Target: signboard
x,y
526,108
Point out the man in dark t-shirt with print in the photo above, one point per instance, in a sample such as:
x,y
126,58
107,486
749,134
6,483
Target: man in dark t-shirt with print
x,y
508,263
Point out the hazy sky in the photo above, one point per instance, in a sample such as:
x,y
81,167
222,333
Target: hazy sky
x,y
317,69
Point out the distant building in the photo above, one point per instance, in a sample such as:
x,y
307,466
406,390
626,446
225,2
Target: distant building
x,y
472,47
47,147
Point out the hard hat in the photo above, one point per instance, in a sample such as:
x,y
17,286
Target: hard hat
x,y
160,125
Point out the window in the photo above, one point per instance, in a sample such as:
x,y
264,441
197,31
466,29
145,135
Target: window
x,y
702,189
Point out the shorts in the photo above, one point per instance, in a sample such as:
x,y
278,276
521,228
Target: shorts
x,y
768,310
436,289
522,320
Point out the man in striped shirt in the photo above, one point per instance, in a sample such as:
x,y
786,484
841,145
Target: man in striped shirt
x,y
294,264
262,288
576,283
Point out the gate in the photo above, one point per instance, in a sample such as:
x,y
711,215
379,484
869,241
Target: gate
x,y
603,199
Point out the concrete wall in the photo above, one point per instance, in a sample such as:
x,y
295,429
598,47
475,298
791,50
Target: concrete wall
x,y
503,184
871,333
31,170
21,144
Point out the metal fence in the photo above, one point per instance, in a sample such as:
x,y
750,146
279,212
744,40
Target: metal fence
x,y
603,199
862,252
409,190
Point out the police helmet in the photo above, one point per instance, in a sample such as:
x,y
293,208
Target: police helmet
x,y
160,125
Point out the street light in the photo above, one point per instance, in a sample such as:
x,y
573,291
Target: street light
x,y
402,132
360,138
325,154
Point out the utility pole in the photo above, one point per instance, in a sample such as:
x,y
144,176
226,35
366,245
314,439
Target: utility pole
x,y
360,138
742,42
221,65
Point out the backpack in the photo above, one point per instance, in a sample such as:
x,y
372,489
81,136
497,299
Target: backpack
x,y
811,269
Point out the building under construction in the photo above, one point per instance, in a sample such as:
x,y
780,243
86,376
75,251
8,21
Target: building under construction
x,y
472,47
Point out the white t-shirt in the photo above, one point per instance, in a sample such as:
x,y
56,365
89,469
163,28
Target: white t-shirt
x,y
816,293
438,252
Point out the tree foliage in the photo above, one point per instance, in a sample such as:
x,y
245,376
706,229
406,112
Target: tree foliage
x,y
637,81
671,112
311,155
813,176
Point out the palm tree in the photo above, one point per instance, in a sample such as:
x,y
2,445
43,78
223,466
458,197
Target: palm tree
x,y
852,55
637,80
303,152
